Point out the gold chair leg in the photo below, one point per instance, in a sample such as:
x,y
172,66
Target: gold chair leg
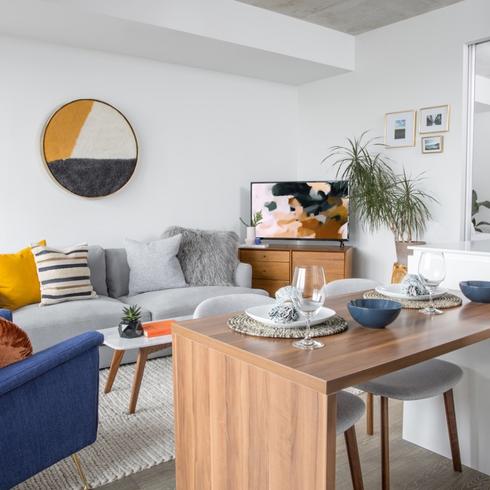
x,y
78,466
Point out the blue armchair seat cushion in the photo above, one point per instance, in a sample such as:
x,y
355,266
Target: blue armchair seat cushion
x,y
48,407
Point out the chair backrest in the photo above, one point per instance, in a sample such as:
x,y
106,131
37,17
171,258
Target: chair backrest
x,y
230,303
346,286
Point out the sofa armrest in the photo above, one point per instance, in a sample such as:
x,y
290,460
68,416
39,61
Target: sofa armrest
x,y
243,275
21,372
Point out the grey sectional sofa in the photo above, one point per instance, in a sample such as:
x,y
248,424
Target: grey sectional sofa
x,y
109,269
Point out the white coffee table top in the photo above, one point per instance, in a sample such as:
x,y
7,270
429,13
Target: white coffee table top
x,y
112,340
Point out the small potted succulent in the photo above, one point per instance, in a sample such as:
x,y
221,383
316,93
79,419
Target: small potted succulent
x,y
130,325
251,235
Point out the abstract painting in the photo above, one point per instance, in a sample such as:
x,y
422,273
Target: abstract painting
x,y
302,210
90,148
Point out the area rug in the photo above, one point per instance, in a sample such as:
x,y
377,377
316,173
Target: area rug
x,y
126,443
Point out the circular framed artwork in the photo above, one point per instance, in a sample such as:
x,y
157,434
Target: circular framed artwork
x,y
90,148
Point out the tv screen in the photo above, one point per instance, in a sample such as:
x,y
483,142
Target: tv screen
x,y
313,210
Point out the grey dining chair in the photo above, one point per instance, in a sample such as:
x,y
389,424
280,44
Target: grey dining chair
x,y
350,408
219,305
352,285
425,380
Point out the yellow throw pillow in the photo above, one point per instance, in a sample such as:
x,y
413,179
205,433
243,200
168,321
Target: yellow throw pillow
x,y
19,284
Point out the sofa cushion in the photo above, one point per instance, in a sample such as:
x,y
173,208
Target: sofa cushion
x,y
117,268
19,284
172,303
153,265
64,274
208,258
14,343
96,264
49,325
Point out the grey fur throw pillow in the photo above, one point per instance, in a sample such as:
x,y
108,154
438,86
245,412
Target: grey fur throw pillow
x,y
208,258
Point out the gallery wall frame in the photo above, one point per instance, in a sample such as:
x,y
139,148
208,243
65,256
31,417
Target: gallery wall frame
x,y
434,119
400,128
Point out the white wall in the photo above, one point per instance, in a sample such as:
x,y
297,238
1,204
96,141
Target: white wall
x,y
203,136
412,64
481,164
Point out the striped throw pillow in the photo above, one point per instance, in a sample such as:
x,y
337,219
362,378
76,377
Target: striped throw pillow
x,y
63,274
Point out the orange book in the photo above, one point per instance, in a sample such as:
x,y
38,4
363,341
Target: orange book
x,y
157,329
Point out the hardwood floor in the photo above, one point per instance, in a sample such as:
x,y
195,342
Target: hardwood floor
x,y
412,468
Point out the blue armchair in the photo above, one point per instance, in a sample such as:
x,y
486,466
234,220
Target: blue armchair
x,y
48,408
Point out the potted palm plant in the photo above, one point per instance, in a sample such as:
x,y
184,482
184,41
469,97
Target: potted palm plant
x,y
379,197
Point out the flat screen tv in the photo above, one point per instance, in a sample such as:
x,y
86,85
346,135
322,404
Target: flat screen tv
x,y
310,210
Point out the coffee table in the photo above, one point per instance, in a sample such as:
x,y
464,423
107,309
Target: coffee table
x,y
145,346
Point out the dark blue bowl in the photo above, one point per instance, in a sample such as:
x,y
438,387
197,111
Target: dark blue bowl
x,y
374,313
477,291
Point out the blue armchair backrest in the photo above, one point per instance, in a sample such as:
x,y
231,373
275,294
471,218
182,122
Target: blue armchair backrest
x,y
7,314
48,407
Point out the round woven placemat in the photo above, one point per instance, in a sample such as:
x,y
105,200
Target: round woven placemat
x,y
242,323
447,300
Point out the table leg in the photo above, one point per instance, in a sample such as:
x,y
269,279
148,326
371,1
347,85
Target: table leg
x,y
143,354
138,376
116,361
331,440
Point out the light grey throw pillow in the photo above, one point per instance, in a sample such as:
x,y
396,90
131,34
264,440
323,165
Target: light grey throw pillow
x,y
208,258
154,266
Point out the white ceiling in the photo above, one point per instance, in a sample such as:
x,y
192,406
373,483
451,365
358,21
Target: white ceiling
x,y
352,16
188,32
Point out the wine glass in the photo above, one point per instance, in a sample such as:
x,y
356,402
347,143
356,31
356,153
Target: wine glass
x,y
308,297
432,271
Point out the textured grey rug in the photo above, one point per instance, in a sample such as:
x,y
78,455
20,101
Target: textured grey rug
x,y
126,443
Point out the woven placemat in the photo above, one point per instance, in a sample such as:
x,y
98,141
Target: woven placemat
x,y
242,323
447,300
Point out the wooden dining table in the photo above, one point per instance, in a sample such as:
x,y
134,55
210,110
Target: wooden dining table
x,y
255,413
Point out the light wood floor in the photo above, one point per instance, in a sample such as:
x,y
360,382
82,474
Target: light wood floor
x,y
412,468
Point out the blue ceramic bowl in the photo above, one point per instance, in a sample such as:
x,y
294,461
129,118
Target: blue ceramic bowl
x,y
374,313
477,291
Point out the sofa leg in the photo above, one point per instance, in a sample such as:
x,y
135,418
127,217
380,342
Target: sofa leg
x,y
78,466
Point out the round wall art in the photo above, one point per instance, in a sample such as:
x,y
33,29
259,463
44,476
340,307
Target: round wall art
x,y
90,148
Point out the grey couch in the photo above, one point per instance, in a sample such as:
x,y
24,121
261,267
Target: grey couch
x,y
109,269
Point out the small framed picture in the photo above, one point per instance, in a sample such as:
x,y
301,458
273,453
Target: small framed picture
x,y
432,144
434,119
400,129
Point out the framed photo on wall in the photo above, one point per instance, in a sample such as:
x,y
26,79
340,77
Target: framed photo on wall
x,y
432,144
400,129
434,119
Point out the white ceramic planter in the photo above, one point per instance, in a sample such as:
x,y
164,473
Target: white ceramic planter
x,y
250,240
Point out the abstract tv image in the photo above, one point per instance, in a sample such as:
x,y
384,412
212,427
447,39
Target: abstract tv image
x,y
90,148
302,210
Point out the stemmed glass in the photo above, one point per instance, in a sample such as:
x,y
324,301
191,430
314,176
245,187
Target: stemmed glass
x,y
432,271
308,297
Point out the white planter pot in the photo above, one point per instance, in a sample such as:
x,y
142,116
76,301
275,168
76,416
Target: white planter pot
x,y
250,240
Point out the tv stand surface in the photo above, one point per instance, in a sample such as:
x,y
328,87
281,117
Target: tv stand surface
x,y
273,267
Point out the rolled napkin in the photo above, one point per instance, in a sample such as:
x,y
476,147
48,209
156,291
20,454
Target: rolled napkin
x,y
283,313
285,294
413,286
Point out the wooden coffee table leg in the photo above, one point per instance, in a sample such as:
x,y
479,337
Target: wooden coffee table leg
x,y
116,361
140,369
138,376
